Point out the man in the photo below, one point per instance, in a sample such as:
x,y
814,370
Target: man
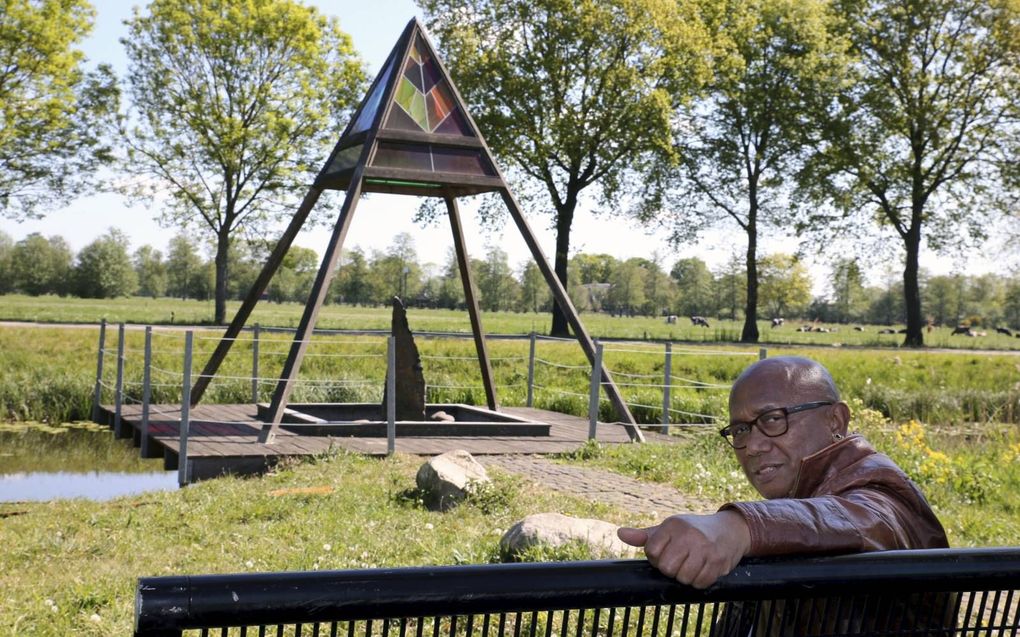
x,y
826,491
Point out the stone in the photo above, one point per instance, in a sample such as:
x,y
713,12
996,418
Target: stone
x,y
442,416
410,382
445,479
555,530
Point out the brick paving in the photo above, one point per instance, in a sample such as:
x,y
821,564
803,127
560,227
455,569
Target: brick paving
x,y
601,485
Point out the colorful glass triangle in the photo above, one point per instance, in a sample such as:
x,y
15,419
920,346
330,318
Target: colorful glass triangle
x,y
423,100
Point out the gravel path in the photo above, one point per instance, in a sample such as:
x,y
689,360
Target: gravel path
x,y
600,485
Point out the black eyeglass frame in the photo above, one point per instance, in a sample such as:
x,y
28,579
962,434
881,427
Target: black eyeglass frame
x,y
730,439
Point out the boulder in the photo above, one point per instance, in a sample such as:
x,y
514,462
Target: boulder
x,y
554,530
444,479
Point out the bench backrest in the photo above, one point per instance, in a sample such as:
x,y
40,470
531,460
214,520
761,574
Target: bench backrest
x,y
930,592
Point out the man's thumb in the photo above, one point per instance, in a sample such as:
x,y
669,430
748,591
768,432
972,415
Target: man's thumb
x,y
634,537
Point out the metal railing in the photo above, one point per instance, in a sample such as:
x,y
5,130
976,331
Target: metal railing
x,y
929,592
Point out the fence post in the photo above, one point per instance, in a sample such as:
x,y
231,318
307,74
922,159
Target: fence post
x,y
391,395
146,393
531,371
182,450
667,380
119,389
255,364
97,394
763,353
593,394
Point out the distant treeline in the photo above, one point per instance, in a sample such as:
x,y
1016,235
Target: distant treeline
x,y
106,268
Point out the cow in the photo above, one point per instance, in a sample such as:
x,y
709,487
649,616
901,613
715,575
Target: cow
x,y
962,329
699,320
887,330
776,322
858,328
671,319
1004,330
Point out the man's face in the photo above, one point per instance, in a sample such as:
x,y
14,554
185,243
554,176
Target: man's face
x,y
773,464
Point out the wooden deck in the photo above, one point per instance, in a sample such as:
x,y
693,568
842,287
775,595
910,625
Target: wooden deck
x,y
224,438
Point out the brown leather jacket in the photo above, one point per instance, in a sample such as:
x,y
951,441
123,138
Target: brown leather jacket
x,y
848,499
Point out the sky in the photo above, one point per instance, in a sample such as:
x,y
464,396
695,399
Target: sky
x,y
374,27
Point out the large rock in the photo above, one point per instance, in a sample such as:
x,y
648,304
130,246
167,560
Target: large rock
x,y
444,480
556,530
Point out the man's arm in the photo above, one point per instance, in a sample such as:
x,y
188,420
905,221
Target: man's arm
x,y
694,549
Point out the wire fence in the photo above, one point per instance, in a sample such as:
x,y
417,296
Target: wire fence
x,y
660,385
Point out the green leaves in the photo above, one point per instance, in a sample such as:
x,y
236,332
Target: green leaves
x,y
54,116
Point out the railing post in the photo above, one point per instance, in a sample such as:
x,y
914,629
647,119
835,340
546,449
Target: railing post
x,y
667,380
763,353
119,388
255,364
146,393
593,394
391,395
97,394
531,371
182,451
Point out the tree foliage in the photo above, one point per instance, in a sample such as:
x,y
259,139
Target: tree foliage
x,y
104,269
920,131
55,115
774,61
235,104
572,95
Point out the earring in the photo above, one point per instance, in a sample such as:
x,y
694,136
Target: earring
x,y
836,437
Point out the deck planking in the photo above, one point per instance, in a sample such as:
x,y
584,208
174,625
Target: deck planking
x,y
224,438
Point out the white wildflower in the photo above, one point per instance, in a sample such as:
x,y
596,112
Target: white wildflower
x,y
95,618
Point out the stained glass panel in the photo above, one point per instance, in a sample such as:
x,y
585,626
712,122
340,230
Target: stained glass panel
x,y
406,156
344,159
423,98
371,104
429,158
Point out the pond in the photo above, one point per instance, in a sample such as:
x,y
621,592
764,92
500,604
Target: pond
x,y
41,462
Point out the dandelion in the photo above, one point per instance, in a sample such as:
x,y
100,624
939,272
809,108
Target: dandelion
x,y
249,563
95,618
429,526
327,547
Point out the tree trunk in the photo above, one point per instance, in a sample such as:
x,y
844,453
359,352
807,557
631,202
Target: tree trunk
x,y
750,332
222,248
564,219
911,289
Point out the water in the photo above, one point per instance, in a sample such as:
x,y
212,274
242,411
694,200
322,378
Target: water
x,y
95,485
40,462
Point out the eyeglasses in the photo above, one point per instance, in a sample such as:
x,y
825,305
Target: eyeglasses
x,y
772,423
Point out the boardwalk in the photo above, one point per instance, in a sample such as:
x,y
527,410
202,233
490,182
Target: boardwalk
x,y
224,438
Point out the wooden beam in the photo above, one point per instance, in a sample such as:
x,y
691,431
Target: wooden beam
x,y
560,294
254,294
311,314
472,303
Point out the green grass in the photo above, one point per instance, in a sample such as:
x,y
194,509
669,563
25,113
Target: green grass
x,y
70,566
141,310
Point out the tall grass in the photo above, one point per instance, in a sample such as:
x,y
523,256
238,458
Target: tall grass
x,y
49,374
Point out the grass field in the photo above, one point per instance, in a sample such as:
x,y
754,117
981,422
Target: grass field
x,y
140,310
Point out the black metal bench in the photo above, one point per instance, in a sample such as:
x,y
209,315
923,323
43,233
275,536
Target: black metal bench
x,y
933,592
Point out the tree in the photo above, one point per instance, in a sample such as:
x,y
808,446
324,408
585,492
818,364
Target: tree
x,y
234,106
694,284
499,290
918,135
40,265
351,282
730,291
847,290
741,143
627,291
535,294
572,96
151,271
184,268
104,269
943,298
1011,306
294,278
55,118
396,272
6,275
785,285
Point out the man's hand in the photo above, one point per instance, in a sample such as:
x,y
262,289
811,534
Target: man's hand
x,y
695,549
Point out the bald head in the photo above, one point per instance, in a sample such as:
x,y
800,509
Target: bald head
x,y
799,378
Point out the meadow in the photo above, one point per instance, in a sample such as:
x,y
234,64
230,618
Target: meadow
x,y
166,311
70,566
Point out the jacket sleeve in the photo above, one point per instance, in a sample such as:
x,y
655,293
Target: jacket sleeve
x,y
869,518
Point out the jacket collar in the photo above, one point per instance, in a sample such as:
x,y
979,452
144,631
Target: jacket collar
x,y
824,463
